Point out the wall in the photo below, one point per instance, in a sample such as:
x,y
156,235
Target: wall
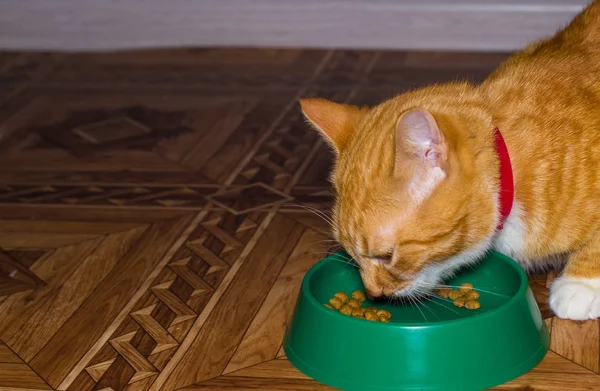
x,y
388,24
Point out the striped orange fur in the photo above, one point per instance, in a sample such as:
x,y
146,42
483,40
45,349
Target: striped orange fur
x,y
417,176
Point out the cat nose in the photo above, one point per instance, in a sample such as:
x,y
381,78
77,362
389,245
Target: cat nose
x,y
373,294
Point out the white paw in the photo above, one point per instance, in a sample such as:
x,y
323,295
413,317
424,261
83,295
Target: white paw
x,y
575,298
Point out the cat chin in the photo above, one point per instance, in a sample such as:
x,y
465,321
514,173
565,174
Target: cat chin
x,y
431,276
511,239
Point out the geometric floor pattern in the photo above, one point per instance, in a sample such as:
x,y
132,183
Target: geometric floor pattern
x,y
155,217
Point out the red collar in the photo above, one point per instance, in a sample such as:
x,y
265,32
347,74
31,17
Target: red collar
x,y
507,187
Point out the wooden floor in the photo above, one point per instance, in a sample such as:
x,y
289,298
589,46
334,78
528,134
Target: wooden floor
x,y
151,232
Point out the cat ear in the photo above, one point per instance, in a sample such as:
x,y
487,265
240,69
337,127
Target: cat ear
x,y
419,137
335,121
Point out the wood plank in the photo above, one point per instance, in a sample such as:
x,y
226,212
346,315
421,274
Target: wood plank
x,y
141,385
55,269
113,160
134,358
83,383
281,353
216,342
16,240
279,369
577,341
88,213
16,277
8,287
552,275
80,332
117,379
101,178
236,301
20,376
251,383
263,339
181,310
310,220
7,356
164,340
195,149
554,363
123,323
13,269
542,294
27,339
557,381
26,258
64,227
259,122
554,373
283,369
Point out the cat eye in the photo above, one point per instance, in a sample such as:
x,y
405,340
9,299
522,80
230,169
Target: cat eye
x,y
384,258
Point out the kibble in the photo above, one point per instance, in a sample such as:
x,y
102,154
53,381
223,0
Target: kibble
x,y
354,303
473,304
342,296
460,302
336,303
353,307
346,310
359,295
370,315
384,313
464,296
453,295
472,295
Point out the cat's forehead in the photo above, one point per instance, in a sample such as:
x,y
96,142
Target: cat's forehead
x,y
371,212
367,161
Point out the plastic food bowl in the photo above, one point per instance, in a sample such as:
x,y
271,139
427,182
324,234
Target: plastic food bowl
x,y
430,346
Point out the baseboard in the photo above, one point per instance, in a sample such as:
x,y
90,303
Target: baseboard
x,y
491,25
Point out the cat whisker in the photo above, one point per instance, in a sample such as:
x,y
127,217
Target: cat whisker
x,y
347,261
410,297
350,264
422,290
431,296
450,301
475,288
321,253
409,302
335,242
441,305
332,248
316,212
422,302
393,300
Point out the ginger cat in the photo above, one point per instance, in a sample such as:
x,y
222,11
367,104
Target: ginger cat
x,y
417,178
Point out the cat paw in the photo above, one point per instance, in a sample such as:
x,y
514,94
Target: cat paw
x,y
575,298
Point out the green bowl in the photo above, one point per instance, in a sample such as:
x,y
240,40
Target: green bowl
x,y
430,346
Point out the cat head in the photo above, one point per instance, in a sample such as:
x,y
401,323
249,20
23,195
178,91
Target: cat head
x,y
415,185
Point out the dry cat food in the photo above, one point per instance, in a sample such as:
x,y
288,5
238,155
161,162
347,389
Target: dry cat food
x,y
352,306
336,303
464,296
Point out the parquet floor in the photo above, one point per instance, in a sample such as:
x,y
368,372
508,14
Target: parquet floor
x,y
152,235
